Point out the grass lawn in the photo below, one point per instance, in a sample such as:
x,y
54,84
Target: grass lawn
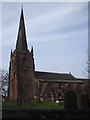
x,y
34,105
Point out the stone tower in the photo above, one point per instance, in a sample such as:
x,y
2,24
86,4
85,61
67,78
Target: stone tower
x,y
21,70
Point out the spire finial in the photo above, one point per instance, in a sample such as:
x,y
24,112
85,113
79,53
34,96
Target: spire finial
x,y
22,6
22,10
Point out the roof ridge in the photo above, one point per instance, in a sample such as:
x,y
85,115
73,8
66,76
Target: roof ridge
x,y
53,72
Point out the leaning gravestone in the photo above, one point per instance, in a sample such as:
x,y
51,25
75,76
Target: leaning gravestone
x,y
70,99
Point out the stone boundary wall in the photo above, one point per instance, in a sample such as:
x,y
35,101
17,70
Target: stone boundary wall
x,y
45,114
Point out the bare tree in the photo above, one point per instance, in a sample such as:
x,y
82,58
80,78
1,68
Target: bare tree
x,y
88,64
87,68
4,82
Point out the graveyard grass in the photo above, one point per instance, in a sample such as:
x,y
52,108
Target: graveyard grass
x,y
34,105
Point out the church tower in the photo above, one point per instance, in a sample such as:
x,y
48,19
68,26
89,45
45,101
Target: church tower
x,y
21,70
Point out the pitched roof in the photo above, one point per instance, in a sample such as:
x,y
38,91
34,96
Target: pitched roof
x,y
53,76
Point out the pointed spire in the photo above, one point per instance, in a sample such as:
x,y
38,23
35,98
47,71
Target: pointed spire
x,y
21,39
11,53
32,49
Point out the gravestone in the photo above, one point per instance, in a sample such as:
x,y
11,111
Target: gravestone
x,y
83,97
83,101
70,99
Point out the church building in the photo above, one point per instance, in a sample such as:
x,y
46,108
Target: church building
x,y
26,83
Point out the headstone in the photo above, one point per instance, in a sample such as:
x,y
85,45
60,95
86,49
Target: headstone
x,y
83,101
70,99
83,97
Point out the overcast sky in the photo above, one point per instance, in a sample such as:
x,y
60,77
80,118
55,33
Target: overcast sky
x,y
57,31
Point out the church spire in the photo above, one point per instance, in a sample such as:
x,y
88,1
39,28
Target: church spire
x,y
21,39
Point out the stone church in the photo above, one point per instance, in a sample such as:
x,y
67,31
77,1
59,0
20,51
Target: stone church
x,y
26,83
